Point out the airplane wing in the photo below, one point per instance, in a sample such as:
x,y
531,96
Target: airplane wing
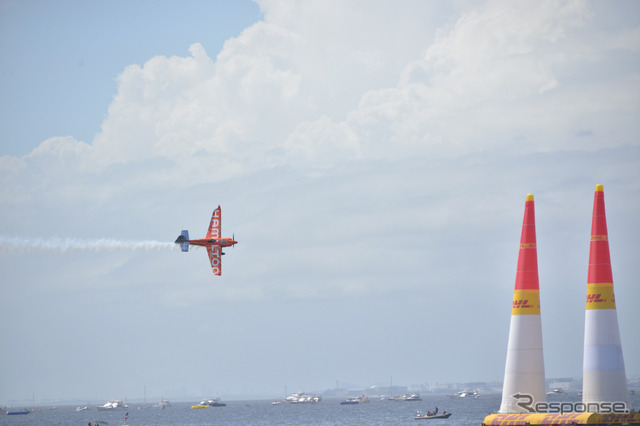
x,y
214,253
215,225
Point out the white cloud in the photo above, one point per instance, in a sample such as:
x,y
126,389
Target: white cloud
x,y
289,90
318,85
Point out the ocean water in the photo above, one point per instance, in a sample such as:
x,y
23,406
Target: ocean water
x,y
466,411
327,412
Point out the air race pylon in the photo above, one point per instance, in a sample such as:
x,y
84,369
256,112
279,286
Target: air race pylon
x,y
604,378
524,370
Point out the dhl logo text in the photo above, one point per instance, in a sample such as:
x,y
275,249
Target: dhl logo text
x,y
525,302
621,418
595,298
521,304
600,297
568,419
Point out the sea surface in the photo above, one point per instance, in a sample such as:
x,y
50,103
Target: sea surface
x,y
466,411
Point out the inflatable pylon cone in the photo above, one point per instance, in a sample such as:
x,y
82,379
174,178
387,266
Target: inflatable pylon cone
x,y
524,370
604,378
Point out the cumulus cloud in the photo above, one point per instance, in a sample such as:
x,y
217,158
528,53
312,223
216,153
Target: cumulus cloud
x,y
316,85
374,84
319,88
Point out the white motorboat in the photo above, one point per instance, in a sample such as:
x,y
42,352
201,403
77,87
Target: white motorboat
x,y
162,404
355,400
412,397
114,404
213,402
303,398
466,394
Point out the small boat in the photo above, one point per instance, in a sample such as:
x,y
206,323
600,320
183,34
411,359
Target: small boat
x,y
466,394
355,400
303,398
421,416
82,408
114,404
214,403
298,398
206,403
162,404
413,397
16,412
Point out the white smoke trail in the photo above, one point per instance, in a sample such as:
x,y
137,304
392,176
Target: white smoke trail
x,y
64,245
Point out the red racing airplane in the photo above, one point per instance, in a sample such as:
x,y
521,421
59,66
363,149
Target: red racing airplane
x,y
213,241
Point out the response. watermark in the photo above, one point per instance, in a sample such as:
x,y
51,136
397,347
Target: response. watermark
x,y
526,402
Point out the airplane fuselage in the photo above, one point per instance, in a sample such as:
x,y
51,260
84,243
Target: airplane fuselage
x,y
222,242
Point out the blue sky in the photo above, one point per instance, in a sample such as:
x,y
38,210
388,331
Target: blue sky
x,y
371,160
61,59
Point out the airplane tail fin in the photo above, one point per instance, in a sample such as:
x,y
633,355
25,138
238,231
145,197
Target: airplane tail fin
x,y
183,240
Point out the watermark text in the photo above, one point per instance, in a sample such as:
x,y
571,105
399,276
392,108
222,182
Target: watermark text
x,y
527,402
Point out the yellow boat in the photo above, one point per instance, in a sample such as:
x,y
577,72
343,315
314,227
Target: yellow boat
x,y
195,407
